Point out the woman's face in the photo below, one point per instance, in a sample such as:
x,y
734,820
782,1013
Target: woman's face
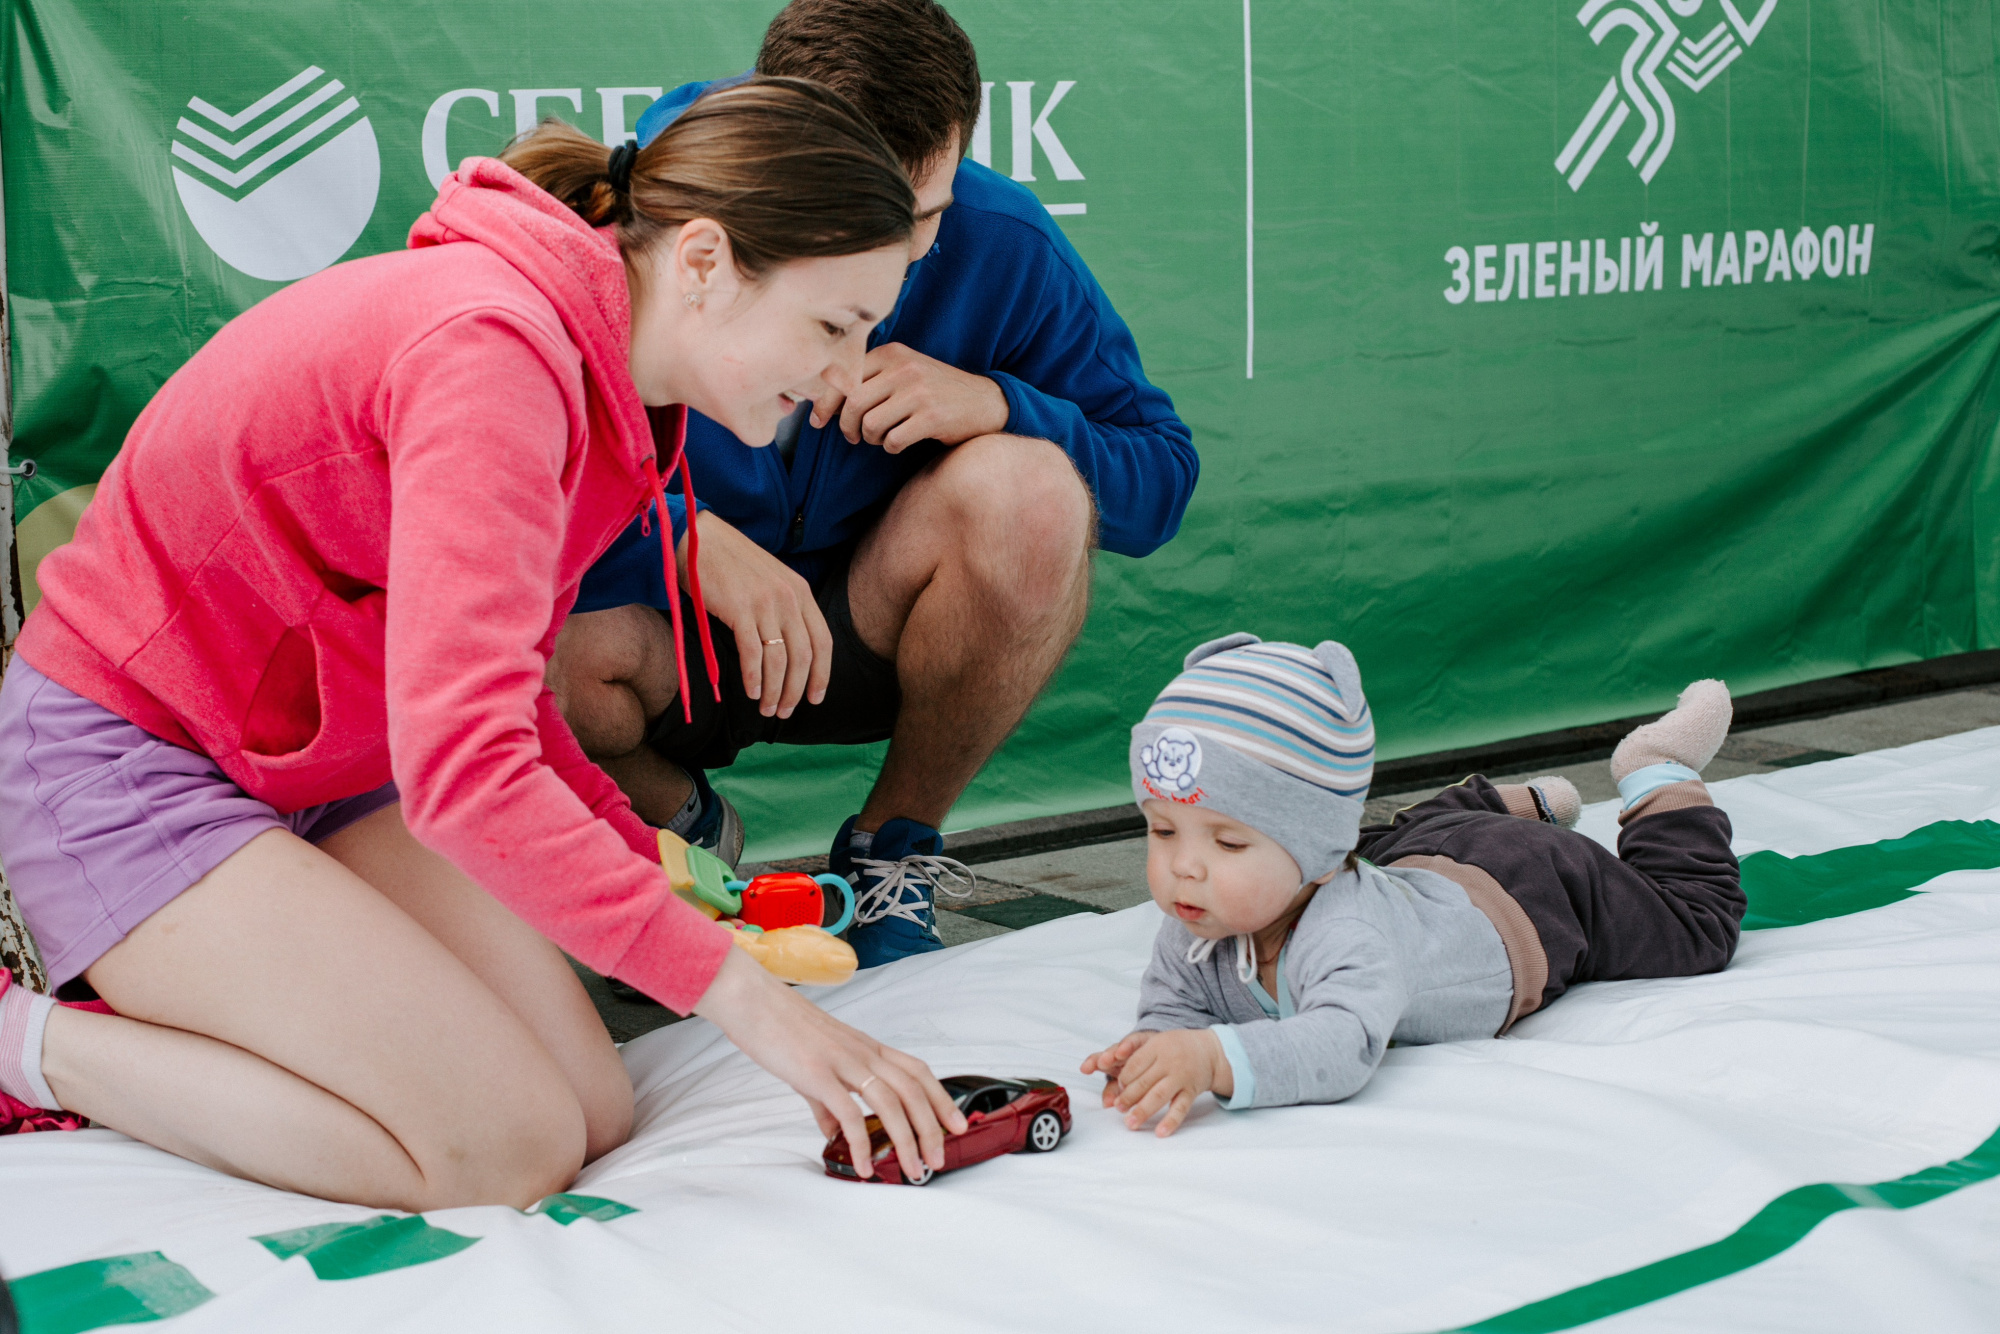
x,y
746,353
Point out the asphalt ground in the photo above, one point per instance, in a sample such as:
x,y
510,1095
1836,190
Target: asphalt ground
x,y
1105,876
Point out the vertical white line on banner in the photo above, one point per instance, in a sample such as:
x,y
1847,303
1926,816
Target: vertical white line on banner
x,y
10,620
1249,212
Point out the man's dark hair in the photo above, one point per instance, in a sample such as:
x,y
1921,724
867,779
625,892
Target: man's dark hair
x,y
905,64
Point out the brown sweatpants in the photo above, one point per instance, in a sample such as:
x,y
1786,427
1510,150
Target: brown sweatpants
x,y
1670,904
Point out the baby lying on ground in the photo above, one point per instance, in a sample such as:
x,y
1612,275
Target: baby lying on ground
x,y
1298,944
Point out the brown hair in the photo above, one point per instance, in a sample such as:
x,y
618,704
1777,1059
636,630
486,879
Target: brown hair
x,y
789,168
905,64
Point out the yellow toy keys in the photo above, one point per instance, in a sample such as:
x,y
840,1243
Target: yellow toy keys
x,y
801,955
698,875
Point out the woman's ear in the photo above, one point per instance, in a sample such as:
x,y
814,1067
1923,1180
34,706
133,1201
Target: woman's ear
x,y
702,262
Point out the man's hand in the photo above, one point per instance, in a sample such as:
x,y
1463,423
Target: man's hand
x,y
1152,1071
906,396
761,599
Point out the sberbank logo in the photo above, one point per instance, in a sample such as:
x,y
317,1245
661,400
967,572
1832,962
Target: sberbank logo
x,y
1694,57
283,187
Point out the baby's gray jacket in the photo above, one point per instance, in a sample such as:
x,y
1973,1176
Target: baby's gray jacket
x,y
1377,954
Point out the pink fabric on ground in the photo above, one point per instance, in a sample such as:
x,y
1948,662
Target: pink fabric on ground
x,y
339,542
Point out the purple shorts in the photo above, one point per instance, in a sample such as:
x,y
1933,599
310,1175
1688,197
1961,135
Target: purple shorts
x,y
105,822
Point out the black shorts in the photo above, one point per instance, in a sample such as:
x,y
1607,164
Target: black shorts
x,y
862,696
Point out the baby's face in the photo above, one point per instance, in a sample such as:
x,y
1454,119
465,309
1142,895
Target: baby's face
x,y
1218,875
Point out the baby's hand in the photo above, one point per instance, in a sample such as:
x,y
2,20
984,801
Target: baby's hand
x,y
1112,1060
1169,1072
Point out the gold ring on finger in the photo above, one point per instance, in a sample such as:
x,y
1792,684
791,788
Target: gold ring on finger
x,y
779,642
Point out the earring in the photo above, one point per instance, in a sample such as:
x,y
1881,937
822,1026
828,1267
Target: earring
x,y
693,299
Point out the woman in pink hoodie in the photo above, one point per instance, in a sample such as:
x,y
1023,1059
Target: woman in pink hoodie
x,y
284,783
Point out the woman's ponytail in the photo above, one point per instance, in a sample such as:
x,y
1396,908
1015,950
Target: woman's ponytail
x,y
788,168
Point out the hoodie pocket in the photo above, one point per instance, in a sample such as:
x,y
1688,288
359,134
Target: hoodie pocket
x,y
284,715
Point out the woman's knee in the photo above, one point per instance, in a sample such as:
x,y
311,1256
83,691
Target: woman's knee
x,y
528,1143
607,1110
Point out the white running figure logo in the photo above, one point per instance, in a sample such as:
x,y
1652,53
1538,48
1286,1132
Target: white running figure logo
x,y
1696,61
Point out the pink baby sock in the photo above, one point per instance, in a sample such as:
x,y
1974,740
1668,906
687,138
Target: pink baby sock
x,y
23,1016
1559,802
1675,748
1551,799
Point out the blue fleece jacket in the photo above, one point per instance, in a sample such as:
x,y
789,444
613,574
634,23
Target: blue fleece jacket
x,y
1001,294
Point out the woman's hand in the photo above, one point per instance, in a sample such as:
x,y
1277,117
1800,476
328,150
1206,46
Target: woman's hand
x,y
781,637
828,1062
1154,1071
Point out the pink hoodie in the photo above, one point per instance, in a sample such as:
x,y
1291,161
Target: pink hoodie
x,y
339,542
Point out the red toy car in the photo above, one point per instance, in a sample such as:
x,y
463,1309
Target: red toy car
x,y
1003,1116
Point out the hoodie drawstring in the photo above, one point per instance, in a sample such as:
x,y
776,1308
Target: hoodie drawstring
x,y
1246,956
658,486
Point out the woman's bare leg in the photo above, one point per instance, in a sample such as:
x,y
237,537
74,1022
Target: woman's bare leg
x,y
515,961
284,1021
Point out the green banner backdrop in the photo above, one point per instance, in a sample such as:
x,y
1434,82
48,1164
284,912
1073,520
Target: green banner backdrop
x,y
1548,356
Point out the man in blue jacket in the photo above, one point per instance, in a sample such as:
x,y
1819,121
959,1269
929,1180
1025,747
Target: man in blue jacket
x,y
911,561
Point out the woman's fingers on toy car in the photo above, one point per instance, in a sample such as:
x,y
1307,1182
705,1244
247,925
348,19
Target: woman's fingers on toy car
x,y
847,1114
946,1111
829,1124
825,1060
897,1097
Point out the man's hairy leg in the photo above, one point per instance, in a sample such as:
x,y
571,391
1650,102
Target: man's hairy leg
x,y
975,583
612,671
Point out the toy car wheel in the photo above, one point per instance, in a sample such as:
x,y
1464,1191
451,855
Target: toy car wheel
x,y
1044,1132
921,1177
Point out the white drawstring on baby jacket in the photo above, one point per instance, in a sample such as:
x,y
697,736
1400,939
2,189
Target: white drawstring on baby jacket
x,y
1246,956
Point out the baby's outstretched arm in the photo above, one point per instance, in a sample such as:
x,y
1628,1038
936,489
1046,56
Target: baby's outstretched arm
x,y
1152,1072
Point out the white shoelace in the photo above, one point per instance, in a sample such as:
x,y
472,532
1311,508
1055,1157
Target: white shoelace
x,y
886,897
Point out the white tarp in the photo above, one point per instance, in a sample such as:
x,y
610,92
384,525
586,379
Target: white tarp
x,y
1630,1123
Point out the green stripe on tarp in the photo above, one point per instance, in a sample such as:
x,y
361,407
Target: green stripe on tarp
x,y
1776,1227
120,1290
357,1250
566,1209
1791,891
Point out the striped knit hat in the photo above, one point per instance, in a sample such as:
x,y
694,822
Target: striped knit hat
x,y
1277,736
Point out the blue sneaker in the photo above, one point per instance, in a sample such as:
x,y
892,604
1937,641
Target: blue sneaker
x,y
720,828
895,884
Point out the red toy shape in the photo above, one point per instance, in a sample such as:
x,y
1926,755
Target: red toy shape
x,y
1002,1116
783,898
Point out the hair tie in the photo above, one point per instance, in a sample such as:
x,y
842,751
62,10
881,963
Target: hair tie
x,y
620,170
